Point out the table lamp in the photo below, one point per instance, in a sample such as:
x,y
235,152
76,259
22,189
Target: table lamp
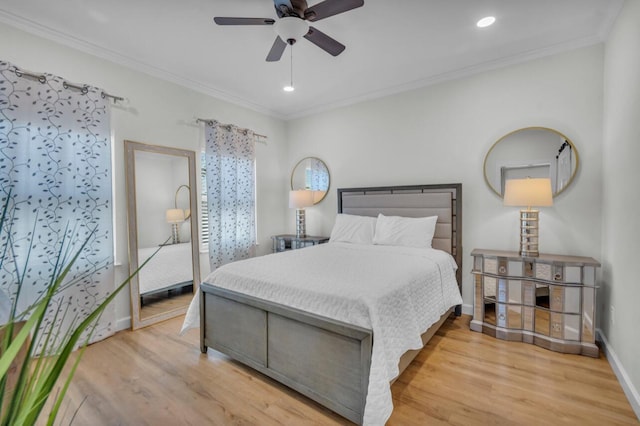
x,y
299,199
530,192
175,217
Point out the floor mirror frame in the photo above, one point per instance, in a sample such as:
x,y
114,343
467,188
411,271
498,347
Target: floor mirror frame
x,y
131,147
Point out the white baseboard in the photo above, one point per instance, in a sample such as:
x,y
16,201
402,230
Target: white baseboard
x,y
123,324
618,369
467,309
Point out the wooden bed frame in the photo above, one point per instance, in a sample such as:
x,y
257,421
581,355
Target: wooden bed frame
x,y
326,360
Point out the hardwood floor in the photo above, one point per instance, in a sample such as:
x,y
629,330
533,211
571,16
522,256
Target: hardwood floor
x,y
157,305
155,377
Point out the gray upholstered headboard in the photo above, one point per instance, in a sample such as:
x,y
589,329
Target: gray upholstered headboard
x,y
442,200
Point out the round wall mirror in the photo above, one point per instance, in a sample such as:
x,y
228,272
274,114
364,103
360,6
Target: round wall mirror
x,y
312,174
534,152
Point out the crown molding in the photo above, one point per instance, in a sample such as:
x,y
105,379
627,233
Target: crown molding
x,y
198,86
48,33
452,75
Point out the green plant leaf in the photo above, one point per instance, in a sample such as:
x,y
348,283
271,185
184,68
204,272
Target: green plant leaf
x,y
38,376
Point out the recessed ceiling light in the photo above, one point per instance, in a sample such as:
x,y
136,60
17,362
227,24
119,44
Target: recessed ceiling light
x,y
486,21
288,88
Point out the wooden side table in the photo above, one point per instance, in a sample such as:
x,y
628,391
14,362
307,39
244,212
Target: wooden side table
x,y
291,242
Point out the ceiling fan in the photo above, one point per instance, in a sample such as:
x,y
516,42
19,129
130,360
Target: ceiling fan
x,y
292,24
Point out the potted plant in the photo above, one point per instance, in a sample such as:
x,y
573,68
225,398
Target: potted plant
x,y
29,373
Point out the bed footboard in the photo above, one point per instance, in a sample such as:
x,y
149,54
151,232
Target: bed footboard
x,y
326,360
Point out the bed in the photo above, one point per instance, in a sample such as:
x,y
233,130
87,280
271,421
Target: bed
x,y
168,271
329,355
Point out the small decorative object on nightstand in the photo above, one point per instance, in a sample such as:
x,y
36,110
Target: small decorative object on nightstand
x,y
548,300
291,242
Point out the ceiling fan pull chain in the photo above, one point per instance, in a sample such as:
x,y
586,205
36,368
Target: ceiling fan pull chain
x,y
291,48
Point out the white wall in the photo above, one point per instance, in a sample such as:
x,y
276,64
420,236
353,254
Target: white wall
x,y
621,202
159,113
158,176
440,134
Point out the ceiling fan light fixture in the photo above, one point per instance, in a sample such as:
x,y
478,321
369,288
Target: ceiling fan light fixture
x,y
291,28
486,21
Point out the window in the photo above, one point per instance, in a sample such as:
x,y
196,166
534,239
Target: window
x,y
204,208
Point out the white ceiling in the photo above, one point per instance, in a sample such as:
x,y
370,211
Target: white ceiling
x,y
391,45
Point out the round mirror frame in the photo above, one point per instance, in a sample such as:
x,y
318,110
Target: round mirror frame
x,y
569,141
328,176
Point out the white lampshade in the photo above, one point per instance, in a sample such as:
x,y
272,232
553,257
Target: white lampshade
x,y
318,195
528,192
175,216
300,198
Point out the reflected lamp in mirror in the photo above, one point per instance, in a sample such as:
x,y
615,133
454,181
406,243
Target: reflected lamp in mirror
x,y
175,217
530,192
299,199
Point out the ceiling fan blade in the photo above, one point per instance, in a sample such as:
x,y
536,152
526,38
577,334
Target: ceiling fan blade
x,y
329,8
283,7
276,50
243,21
324,42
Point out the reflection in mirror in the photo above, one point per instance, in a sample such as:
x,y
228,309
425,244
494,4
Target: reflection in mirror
x,y
311,174
514,316
160,203
534,152
588,323
542,296
571,327
542,321
489,312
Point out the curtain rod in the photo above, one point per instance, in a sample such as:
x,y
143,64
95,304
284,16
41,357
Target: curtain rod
x,y
43,79
210,122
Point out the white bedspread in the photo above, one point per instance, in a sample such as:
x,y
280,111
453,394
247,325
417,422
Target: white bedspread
x,y
170,265
398,292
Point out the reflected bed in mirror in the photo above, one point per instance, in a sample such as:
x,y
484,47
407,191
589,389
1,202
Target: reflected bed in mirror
x,y
535,152
312,174
159,206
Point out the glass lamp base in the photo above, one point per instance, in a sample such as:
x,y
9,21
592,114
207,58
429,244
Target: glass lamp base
x,y
300,224
529,220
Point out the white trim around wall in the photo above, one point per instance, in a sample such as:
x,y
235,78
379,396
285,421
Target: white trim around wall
x,y
467,309
123,324
618,369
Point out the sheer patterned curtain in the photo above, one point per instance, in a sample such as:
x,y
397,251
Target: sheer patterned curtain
x,y
230,166
55,161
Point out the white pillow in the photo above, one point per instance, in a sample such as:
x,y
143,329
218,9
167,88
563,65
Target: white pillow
x,y
353,229
405,231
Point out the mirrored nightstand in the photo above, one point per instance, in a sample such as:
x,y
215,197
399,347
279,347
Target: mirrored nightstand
x,y
549,300
291,242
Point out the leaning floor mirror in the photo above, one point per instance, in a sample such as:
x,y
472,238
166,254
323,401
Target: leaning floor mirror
x,y
161,214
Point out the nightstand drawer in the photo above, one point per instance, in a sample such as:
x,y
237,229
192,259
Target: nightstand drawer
x,y
503,315
557,325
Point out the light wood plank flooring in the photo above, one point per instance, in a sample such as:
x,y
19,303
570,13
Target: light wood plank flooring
x,y
161,304
155,377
